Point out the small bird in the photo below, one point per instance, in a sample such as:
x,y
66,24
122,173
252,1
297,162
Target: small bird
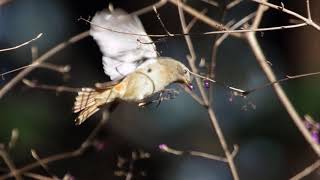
x,y
130,60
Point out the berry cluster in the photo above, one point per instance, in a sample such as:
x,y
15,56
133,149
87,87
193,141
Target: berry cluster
x,y
314,128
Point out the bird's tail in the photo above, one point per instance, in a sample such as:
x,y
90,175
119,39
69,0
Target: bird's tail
x,y
88,102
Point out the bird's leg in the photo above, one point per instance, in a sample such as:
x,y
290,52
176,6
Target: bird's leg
x,y
166,94
106,85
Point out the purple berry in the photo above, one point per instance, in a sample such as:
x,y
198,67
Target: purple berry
x,y
315,136
163,147
206,83
308,125
100,146
190,86
69,177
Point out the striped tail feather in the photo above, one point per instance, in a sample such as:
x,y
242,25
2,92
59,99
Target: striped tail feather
x,y
86,103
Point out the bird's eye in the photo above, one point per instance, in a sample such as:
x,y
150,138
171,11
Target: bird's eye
x,y
149,70
185,71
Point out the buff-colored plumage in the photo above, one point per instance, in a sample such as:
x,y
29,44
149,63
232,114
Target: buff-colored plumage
x,y
143,73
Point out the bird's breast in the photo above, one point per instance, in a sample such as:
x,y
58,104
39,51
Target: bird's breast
x,y
141,85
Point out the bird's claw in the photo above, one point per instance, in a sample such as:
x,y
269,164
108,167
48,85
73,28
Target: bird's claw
x,y
166,94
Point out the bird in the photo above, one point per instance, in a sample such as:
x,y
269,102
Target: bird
x,y
131,61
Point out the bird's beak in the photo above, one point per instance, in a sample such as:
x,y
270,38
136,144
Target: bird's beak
x,y
188,84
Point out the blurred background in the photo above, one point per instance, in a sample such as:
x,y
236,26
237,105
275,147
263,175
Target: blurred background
x,y
270,146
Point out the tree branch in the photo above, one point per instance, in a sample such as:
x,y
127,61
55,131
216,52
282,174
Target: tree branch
x,y
20,45
40,60
262,61
214,121
79,151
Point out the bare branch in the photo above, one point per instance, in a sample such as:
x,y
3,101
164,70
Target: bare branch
x,y
215,47
308,10
37,176
211,2
147,9
34,52
262,61
287,11
214,24
79,151
4,155
44,166
280,93
60,69
307,171
194,20
165,148
193,95
259,14
282,80
233,4
231,32
40,60
161,22
33,84
14,138
21,45
214,121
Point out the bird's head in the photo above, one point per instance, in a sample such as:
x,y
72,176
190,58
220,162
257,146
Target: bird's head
x,y
179,72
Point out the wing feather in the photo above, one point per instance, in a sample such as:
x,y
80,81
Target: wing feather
x,y
122,53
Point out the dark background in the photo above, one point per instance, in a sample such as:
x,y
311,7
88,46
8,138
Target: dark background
x,y
270,145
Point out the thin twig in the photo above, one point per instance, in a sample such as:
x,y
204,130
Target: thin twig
x,y
281,94
165,148
14,138
161,22
60,69
314,166
57,68
233,4
216,46
147,9
308,10
194,20
37,176
261,59
214,24
281,80
17,69
23,44
213,63
58,48
211,114
287,11
193,95
40,60
79,151
33,84
4,155
233,89
211,2
44,166
231,32
259,14
235,26
34,52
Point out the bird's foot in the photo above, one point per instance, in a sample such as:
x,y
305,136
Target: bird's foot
x,y
164,95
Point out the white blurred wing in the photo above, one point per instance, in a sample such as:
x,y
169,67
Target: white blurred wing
x,y
122,53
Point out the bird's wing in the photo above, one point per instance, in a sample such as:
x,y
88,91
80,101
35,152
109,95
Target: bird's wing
x,y
122,52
